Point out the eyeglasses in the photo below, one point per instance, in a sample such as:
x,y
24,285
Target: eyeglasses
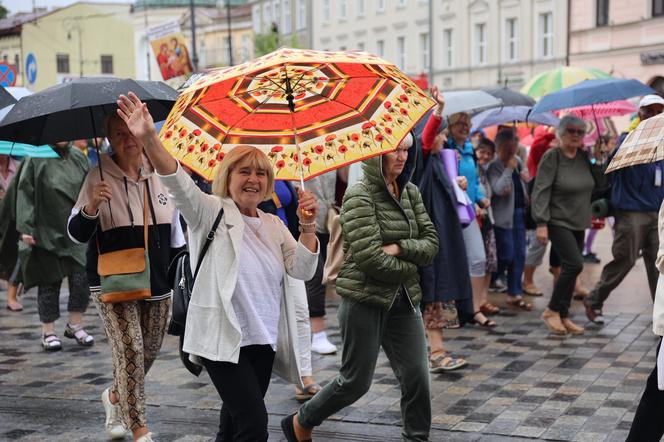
x,y
576,131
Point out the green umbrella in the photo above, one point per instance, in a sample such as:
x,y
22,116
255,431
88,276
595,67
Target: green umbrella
x,y
556,79
26,150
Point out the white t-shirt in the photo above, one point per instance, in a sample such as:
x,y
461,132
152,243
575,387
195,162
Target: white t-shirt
x,y
257,296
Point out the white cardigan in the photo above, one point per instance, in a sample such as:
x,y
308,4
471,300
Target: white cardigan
x,y
658,308
212,329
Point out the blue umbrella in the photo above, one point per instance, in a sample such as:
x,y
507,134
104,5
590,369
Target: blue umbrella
x,y
590,92
509,114
26,150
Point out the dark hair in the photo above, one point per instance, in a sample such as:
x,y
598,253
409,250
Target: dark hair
x,y
485,142
505,135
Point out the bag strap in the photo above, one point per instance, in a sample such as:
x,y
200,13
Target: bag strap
x,y
208,240
145,223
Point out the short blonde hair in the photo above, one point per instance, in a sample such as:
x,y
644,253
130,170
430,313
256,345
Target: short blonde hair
x,y
235,156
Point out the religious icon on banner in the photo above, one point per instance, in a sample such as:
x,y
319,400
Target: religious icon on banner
x,y
169,47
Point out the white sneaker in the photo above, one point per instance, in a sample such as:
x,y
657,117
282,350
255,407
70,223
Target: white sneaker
x,y
321,345
114,426
145,438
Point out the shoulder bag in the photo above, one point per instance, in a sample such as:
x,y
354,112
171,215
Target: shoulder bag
x,y
125,274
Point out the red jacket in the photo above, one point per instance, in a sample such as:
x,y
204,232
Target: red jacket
x,y
541,144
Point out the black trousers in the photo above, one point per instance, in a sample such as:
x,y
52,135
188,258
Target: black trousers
x,y
242,387
648,425
315,287
568,245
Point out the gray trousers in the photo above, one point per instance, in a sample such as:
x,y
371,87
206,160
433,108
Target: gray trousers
x,y
364,329
634,232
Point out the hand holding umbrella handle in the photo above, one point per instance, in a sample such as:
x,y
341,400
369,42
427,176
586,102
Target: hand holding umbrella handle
x,y
307,210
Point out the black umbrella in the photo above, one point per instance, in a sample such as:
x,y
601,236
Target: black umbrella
x,y
77,109
6,98
510,97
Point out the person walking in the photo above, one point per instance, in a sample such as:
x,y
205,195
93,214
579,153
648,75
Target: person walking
x,y
109,216
636,194
241,319
46,193
387,235
647,424
9,265
561,208
507,176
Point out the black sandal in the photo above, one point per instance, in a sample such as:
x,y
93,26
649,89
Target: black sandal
x,y
288,428
488,323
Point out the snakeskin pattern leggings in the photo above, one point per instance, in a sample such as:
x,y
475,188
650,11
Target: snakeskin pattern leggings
x,y
48,297
135,331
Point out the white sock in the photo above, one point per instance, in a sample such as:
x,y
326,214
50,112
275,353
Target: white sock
x,y
320,336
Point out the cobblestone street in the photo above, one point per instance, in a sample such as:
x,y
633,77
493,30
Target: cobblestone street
x,y
521,382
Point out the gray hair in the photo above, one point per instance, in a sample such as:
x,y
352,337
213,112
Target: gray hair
x,y
567,121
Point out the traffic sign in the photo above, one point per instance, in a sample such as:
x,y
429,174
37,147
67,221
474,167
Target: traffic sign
x,y
31,68
7,75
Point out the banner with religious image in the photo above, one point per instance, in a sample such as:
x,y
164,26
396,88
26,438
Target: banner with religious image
x,y
170,50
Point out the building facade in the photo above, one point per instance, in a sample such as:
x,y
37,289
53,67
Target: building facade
x,y
292,19
84,39
624,38
472,44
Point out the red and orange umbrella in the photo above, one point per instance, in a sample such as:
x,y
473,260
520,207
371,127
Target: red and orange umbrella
x,y
310,111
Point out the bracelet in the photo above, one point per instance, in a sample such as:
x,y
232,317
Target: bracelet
x,y
307,229
313,223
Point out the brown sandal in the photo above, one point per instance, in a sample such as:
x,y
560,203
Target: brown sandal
x,y
489,309
520,304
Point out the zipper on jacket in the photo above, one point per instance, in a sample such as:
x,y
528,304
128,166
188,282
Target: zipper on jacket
x,y
410,228
394,298
410,301
131,215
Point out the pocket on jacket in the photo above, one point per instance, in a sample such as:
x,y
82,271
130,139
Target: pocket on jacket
x,y
203,330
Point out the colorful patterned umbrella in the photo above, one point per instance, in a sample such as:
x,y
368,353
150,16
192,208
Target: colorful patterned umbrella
x,y
645,144
556,79
310,111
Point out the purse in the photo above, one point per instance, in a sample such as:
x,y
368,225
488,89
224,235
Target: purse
x,y
125,274
179,271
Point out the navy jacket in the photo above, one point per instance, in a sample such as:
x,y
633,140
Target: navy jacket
x,y
633,188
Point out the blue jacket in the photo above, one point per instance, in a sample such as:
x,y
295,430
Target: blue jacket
x,y
468,169
633,188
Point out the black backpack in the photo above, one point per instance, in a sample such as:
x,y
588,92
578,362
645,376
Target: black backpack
x,y
179,271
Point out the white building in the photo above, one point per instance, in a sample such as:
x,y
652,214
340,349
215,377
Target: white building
x,y
474,44
291,18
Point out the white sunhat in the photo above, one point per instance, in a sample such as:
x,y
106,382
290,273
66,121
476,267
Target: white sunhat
x,y
651,99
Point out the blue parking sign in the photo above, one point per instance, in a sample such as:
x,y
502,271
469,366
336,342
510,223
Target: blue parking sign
x,y
31,68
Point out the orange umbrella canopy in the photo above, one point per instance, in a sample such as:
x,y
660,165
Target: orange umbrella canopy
x,y
309,111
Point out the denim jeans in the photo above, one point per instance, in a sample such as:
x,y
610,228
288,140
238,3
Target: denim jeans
x,y
511,248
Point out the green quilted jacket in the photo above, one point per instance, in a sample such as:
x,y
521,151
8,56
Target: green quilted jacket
x,y
370,218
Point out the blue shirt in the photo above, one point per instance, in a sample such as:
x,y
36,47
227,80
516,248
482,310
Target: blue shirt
x,y
468,169
285,198
633,188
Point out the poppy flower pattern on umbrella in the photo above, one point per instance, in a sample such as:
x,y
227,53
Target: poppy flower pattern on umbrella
x,y
309,111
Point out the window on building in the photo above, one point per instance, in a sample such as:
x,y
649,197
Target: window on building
x,y
106,64
360,8
512,39
301,17
546,34
657,8
480,43
343,9
267,16
326,11
380,48
448,45
424,51
380,5
62,63
246,48
256,18
17,63
276,13
401,3
601,13
286,25
401,53
360,46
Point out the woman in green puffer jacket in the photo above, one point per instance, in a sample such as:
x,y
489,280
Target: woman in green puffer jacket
x,y
387,236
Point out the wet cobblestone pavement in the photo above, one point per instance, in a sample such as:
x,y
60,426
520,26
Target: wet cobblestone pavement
x,y
521,382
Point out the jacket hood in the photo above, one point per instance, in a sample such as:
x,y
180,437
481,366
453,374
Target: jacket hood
x,y
109,166
373,169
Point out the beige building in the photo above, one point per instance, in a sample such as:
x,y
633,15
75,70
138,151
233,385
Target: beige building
x,y
84,39
293,20
11,42
622,37
474,43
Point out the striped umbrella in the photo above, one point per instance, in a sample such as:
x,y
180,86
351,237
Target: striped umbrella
x,y
556,79
309,111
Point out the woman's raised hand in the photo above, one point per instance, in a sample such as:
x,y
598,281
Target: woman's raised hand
x,y
136,115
